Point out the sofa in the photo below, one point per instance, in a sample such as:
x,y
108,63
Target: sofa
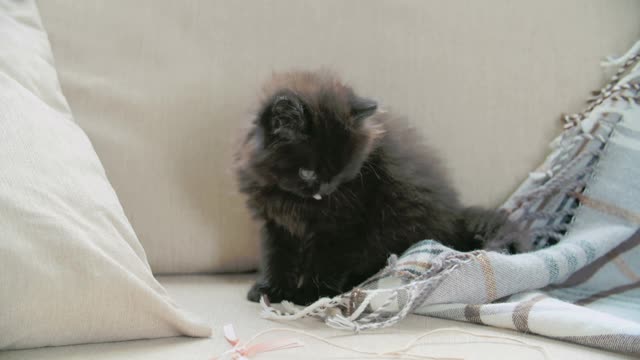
x,y
163,90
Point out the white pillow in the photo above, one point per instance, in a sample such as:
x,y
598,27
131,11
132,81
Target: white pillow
x,y
71,267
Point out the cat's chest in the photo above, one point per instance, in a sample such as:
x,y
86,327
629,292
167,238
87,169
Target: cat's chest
x,y
304,216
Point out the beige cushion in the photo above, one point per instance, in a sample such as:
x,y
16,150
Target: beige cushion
x,y
162,86
200,294
71,267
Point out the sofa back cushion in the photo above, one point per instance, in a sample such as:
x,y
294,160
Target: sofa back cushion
x,y
162,87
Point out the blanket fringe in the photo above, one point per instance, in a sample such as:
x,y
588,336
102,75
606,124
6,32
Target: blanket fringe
x,y
332,310
580,145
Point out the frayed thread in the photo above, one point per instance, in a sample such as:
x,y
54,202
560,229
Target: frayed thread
x,y
331,309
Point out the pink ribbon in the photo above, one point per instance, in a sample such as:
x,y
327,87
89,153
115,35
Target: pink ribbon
x,y
243,352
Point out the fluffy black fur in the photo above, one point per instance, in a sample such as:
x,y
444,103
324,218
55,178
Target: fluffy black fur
x,y
381,189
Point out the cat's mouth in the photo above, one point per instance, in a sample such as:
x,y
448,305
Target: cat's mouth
x,y
324,190
317,194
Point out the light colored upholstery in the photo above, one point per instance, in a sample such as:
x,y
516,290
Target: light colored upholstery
x,y
162,87
220,300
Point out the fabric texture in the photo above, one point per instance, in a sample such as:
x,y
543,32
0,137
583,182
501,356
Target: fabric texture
x,y
71,267
581,214
203,294
162,87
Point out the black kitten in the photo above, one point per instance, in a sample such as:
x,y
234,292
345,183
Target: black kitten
x,y
339,186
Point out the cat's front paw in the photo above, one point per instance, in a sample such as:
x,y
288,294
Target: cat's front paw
x,y
258,289
255,293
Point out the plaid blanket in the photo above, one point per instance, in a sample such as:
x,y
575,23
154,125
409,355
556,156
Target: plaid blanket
x,y
580,211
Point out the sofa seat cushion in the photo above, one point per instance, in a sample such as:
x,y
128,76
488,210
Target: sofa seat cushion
x,y
220,299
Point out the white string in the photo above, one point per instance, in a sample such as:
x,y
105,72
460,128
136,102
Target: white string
x,y
404,351
362,307
321,304
518,342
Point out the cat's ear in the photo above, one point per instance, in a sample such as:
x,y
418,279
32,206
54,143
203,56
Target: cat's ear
x,y
287,116
362,108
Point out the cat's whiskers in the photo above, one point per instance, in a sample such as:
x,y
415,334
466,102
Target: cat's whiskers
x,y
347,201
331,287
354,198
361,177
315,281
370,166
373,165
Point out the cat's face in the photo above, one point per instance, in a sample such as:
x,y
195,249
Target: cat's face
x,y
311,135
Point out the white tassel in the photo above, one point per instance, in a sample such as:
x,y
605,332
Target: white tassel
x,y
318,308
289,307
342,323
362,307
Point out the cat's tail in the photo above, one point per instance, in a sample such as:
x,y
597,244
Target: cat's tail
x,y
490,230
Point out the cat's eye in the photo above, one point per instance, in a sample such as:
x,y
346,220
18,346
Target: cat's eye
x,y
306,174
